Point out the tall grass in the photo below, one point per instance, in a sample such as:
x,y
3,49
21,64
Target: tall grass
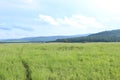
x,y
60,61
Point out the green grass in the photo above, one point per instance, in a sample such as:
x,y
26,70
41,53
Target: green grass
x,y
60,61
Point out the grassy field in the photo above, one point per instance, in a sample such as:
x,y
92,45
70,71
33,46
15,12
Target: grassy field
x,y
60,61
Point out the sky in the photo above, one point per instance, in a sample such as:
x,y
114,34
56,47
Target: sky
x,y
31,18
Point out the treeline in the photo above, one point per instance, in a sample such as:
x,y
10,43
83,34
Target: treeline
x,y
106,36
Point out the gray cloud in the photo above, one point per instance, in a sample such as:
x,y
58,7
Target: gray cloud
x,y
5,28
22,28
11,27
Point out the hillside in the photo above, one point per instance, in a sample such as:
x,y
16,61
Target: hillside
x,y
41,39
105,36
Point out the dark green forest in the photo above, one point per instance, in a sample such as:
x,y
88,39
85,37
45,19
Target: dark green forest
x,y
105,36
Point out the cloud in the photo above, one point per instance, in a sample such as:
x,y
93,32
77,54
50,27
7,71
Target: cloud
x,y
109,7
22,28
29,4
28,1
113,19
48,19
21,4
74,21
4,26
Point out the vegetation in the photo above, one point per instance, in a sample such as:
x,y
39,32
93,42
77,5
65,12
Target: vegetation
x,y
38,39
60,61
106,36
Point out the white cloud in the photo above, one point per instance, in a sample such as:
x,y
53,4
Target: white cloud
x,y
80,21
26,4
28,1
29,4
109,6
48,19
69,22
117,19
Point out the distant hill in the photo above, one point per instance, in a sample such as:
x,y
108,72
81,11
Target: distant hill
x,y
41,39
105,36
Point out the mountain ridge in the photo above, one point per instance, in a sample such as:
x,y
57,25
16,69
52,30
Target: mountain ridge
x,y
104,36
41,38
